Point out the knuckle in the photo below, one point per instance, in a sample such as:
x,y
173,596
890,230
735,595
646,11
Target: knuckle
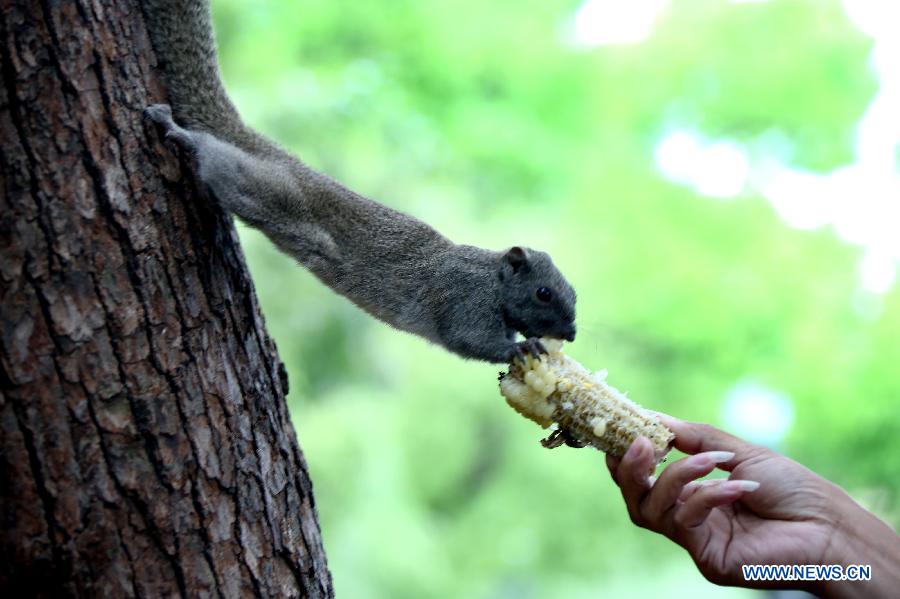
x,y
646,516
679,473
636,518
759,453
714,576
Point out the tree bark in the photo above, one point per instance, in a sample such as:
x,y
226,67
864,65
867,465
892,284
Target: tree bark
x,y
146,446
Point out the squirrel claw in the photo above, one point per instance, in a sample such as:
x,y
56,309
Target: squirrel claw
x,y
532,346
516,353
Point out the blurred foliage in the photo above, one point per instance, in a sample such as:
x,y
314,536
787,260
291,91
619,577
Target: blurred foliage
x,y
479,118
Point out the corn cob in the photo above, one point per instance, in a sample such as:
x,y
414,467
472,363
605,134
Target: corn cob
x,y
586,410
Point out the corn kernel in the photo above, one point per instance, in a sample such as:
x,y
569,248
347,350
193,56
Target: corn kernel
x,y
598,427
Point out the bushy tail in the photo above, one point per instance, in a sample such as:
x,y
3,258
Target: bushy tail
x,y
182,35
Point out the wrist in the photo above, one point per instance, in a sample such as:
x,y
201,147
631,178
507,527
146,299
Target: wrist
x,y
861,538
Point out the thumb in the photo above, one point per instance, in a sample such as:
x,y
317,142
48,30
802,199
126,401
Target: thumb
x,y
697,437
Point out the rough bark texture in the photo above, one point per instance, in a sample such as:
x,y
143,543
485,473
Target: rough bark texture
x,y
146,447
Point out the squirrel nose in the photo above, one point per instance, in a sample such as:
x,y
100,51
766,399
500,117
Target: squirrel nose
x,y
569,334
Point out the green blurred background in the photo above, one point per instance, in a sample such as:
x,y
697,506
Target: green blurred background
x,y
700,171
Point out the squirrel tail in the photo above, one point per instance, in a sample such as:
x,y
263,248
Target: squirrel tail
x,y
182,36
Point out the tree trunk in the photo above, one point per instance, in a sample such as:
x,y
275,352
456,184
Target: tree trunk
x,y
146,447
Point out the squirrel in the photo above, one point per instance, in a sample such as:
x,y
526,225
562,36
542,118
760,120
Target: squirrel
x,y
469,300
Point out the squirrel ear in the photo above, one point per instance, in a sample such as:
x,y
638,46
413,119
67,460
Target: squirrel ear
x,y
517,258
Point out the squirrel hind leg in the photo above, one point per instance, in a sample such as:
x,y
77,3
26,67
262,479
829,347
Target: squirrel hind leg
x,y
161,114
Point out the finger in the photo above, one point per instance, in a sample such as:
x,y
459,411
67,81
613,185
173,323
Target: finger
x,y
612,463
695,485
632,476
697,508
688,490
696,437
673,479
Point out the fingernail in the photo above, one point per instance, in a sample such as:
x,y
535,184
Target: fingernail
x,y
666,418
632,450
719,457
692,484
709,482
746,486
641,475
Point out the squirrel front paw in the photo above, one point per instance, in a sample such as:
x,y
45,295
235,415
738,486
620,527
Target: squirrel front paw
x,y
532,346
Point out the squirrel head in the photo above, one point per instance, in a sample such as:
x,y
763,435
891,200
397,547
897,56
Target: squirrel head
x,y
537,300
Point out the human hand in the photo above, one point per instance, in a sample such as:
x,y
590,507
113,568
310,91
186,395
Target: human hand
x,y
771,510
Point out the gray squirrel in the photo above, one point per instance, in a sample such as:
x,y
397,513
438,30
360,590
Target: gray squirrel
x,y
469,300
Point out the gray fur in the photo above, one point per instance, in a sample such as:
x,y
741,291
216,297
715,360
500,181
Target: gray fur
x,y
470,300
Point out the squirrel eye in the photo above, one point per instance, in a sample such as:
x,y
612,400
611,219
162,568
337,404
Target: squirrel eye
x,y
544,294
